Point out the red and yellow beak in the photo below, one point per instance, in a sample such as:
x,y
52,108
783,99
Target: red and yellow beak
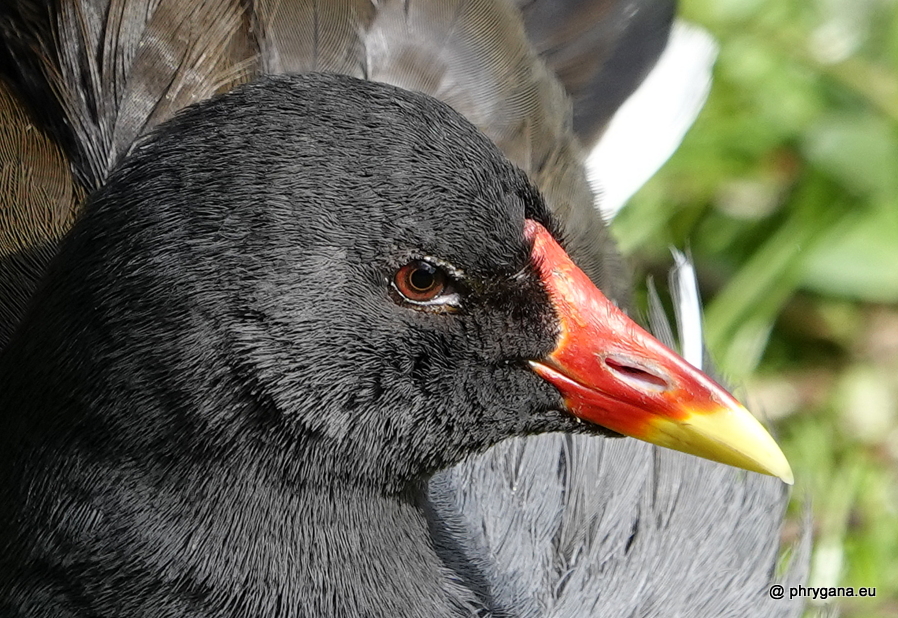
x,y
613,373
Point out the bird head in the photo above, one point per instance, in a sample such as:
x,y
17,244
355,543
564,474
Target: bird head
x,y
348,281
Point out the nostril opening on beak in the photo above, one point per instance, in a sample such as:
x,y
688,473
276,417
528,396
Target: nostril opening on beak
x,y
637,375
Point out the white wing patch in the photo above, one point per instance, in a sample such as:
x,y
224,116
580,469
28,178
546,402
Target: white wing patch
x,y
650,125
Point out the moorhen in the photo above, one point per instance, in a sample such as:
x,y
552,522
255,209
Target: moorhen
x,y
282,313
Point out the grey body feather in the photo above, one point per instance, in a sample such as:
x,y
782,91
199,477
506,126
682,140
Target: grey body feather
x,y
567,526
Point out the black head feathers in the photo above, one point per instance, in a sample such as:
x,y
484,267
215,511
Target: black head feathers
x,y
236,286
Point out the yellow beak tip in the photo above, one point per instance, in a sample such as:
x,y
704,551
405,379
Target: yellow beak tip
x,y
730,436
787,477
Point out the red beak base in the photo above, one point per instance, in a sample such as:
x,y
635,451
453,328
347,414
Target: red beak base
x,y
613,373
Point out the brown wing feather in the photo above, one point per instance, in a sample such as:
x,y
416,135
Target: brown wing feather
x,y
97,74
111,69
302,36
38,201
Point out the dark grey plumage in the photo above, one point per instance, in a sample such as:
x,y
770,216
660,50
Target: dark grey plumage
x,y
616,527
97,75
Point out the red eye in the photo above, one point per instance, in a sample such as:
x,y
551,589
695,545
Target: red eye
x,y
420,281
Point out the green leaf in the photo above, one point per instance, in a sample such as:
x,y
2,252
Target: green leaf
x,y
858,257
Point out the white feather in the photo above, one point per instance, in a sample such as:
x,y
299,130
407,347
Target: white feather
x,y
650,125
688,309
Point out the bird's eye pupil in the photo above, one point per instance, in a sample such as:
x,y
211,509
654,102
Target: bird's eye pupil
x,y
420,281
422,278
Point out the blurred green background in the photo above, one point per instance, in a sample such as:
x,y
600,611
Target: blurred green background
x,y
786,192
